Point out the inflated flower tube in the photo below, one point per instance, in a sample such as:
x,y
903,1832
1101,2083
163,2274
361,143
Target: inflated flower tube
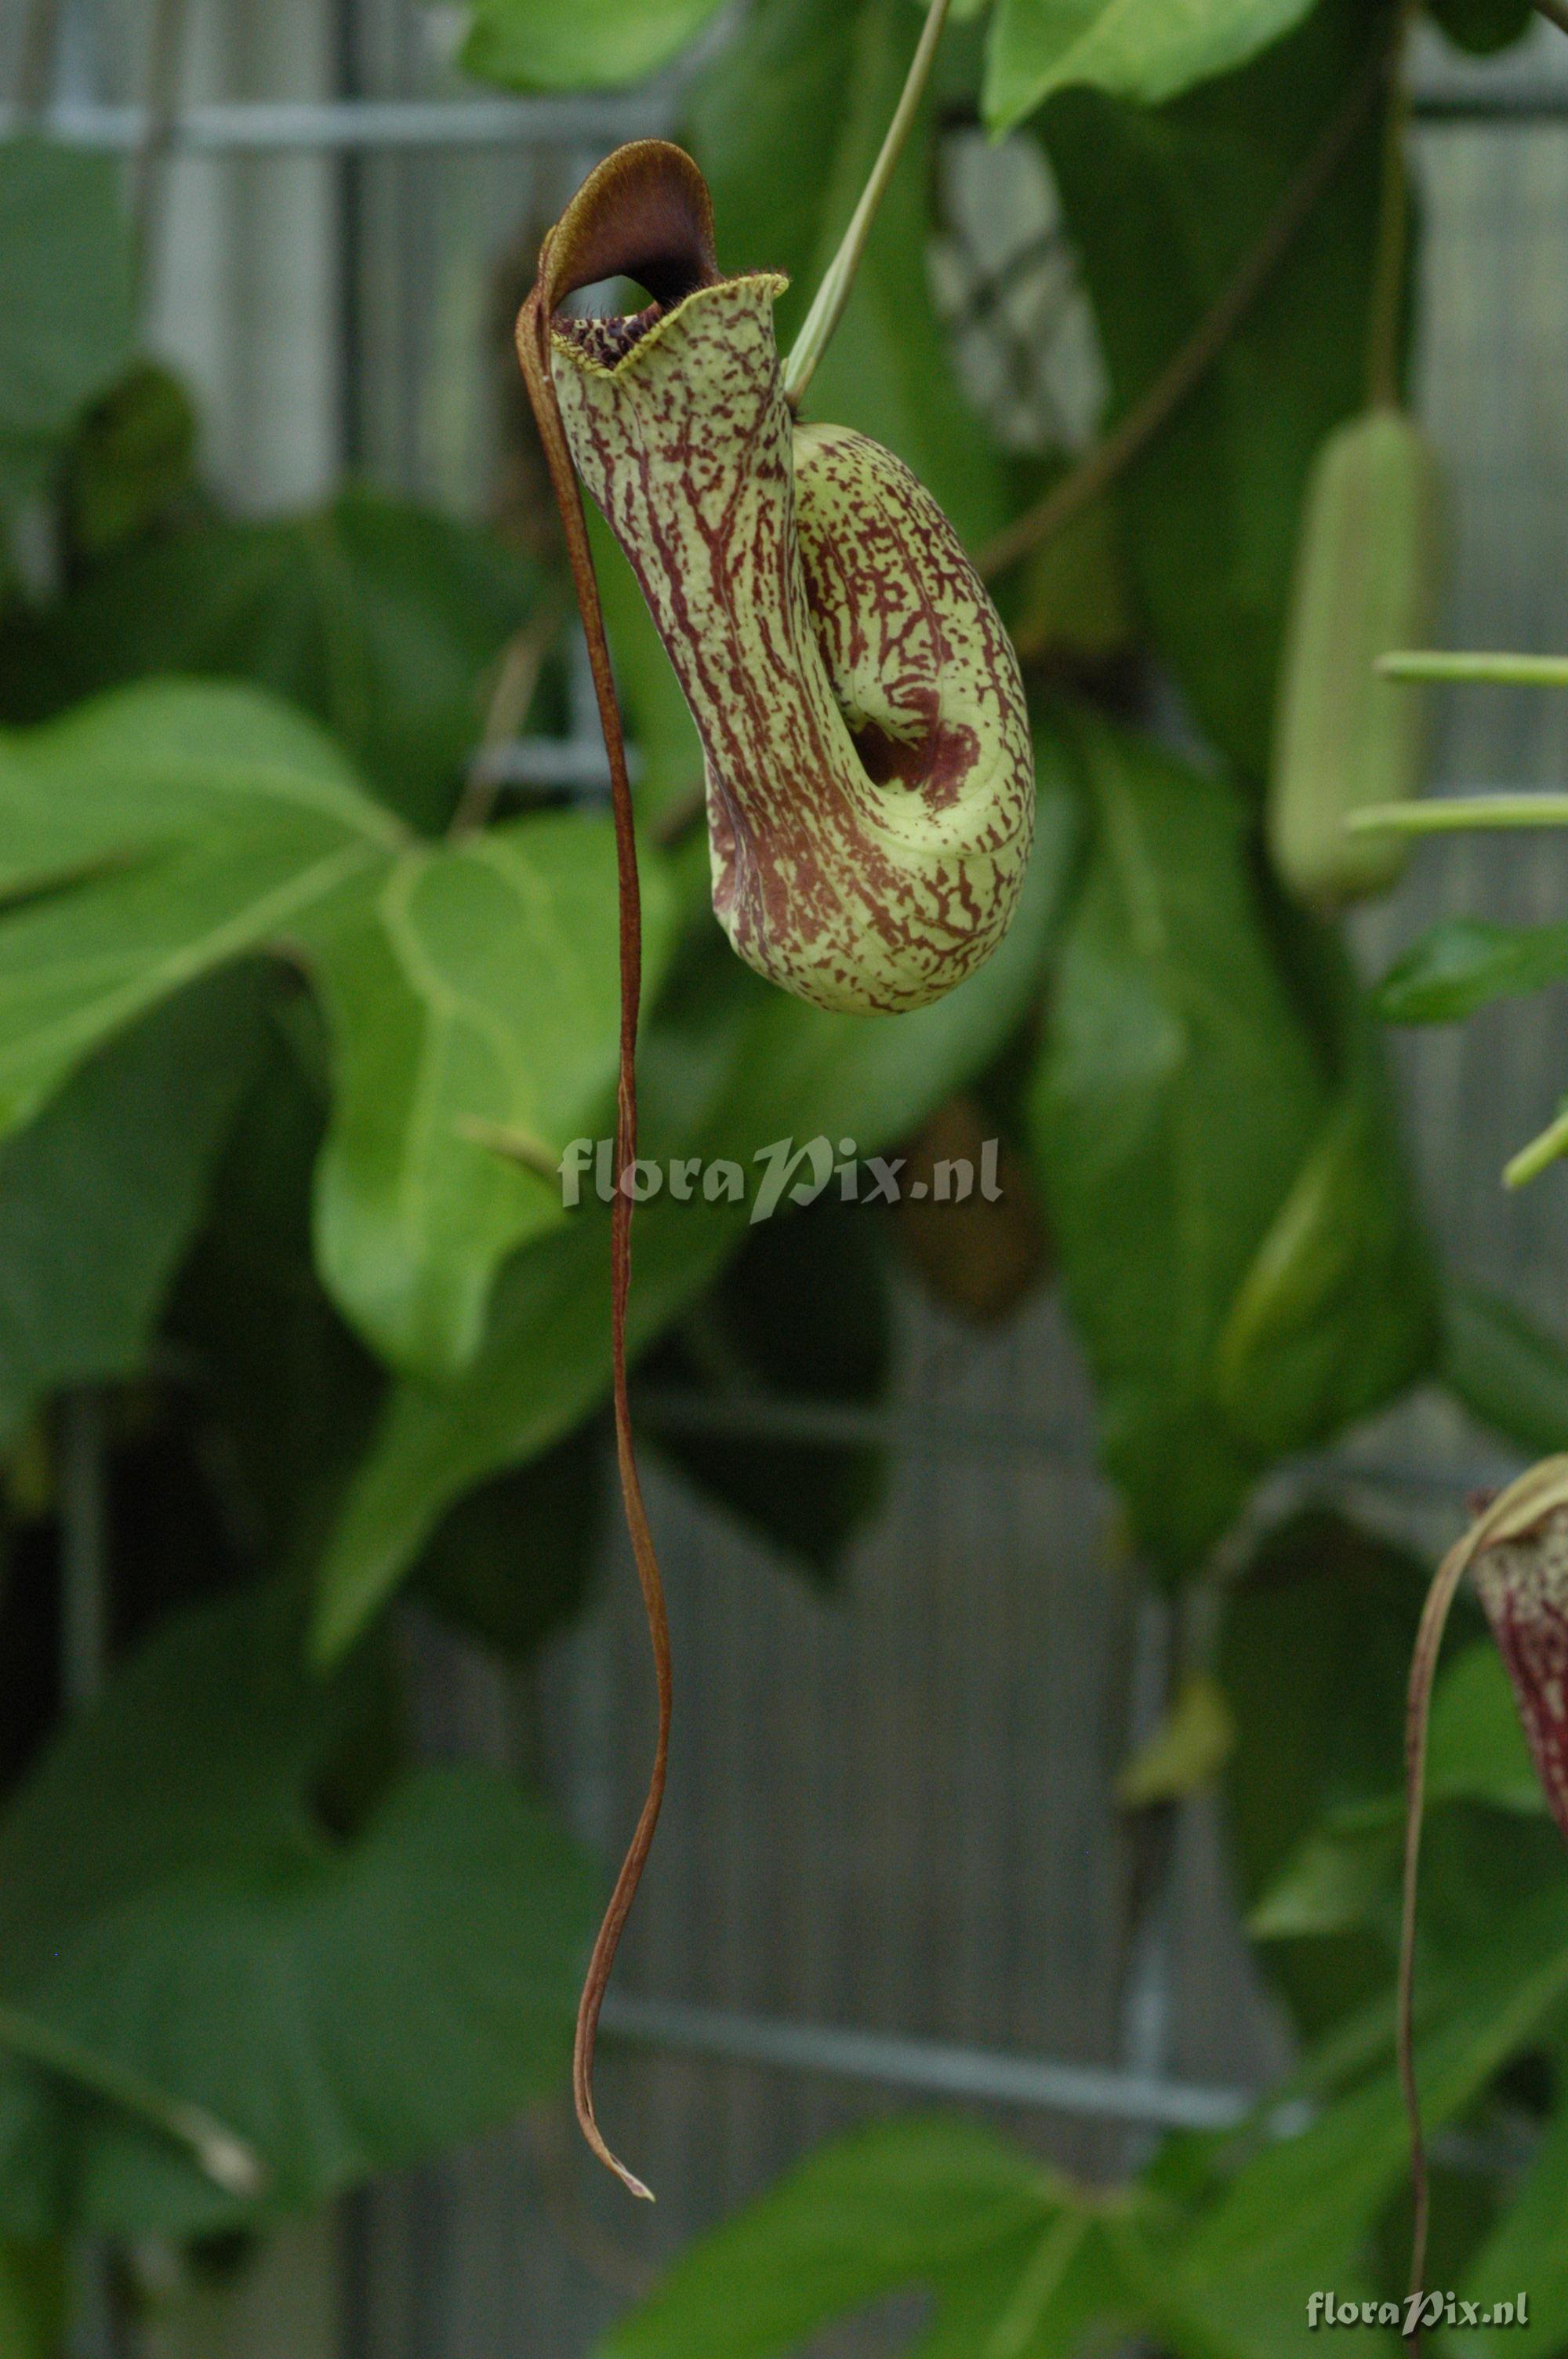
x,y
867,753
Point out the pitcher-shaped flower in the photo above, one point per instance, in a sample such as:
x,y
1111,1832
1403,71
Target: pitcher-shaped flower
x,y
867,751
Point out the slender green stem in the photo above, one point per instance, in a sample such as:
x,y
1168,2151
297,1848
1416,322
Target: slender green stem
x,y
224,2157
828,303
1534,1158
1446,812
1507,671
1391,254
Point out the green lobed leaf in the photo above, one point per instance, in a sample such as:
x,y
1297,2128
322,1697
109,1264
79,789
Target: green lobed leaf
x,y
1176,1099
787,125
1334,1883
100,1196
145,838
1507,1371
886,2207
347,2000
1145,49
1476,1748
1526,2254
381,618
1162,207
510,1563
596,44
801,1312
1463,963
1337,1313
278,1377
1345,1874
1082,2285
65,300
467,990
1315,1648
163,831
1222,2272
1296,2217
722,1078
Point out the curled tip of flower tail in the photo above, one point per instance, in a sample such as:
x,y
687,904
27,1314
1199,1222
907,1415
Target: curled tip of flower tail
x,y
1517,1547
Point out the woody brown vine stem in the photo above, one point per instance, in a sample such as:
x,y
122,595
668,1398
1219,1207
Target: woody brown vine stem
x,y
534,352
1100,468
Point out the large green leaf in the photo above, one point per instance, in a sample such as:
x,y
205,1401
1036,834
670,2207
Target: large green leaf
x,y
1144,50
150,836
477,985
1337,1313
786,126
276,1372
1509,1372
512,1562
1527,2252
1076,2284
1162,206
1313,1657
724,1076
162,830
65,300
1176,1101
1345,1874
381,618
172,1897
540,45
1476,1748
99,1196
1297,2216
1214,2254
801,1313
892,2205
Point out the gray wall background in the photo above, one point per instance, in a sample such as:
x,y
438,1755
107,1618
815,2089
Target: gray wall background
x,y
891,1810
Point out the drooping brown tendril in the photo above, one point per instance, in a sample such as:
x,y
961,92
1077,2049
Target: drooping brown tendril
x,y
631,221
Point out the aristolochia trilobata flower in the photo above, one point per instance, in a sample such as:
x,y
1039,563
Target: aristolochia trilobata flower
x,y
868,773
867,755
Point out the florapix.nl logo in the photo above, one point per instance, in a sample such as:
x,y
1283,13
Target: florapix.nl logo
x,y
782,1172
1416,2311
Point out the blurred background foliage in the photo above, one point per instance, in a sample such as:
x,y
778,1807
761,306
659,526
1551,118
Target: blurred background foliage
x,y
276,951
